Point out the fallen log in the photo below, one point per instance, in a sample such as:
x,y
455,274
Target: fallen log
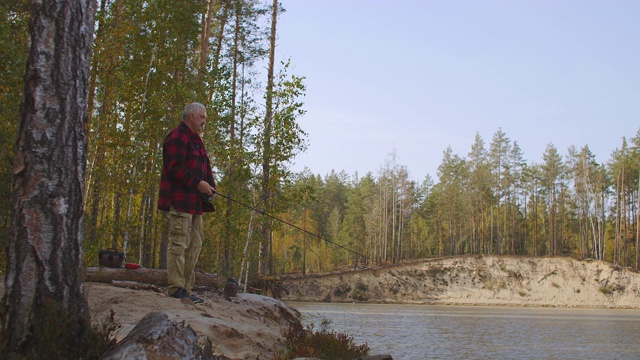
x,y
157,277
136,285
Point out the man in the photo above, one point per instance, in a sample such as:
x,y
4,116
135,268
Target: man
x,y
186,188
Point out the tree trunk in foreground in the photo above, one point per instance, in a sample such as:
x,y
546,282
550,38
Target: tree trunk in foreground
x,y
44,310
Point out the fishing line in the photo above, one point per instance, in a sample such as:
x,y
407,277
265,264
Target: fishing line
x,y
313,234
294,226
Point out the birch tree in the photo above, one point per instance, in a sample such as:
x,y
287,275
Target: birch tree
x,y
44,279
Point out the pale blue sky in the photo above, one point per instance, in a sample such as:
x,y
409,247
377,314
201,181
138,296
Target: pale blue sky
x,y
418,76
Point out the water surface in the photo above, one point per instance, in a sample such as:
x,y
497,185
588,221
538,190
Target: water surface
x,y
462,332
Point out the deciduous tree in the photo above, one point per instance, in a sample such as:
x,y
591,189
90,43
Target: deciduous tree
x,y
45,312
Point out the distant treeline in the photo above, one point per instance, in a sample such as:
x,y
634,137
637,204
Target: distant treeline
x,y
489,201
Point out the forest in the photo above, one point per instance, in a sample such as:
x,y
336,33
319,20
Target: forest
x,y
152,57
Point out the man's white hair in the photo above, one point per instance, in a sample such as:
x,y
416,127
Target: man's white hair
x,y
192,109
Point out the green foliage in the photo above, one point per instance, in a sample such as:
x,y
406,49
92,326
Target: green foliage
x,y
321,344
14,42
148,63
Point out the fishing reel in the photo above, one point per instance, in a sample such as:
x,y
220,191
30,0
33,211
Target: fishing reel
x,y
207,198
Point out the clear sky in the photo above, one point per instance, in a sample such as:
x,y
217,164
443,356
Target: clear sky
x,y
416,76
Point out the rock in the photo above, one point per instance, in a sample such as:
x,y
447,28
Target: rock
x,y
231,288
157,337
247,326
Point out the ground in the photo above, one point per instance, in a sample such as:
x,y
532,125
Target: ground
x,y
246,326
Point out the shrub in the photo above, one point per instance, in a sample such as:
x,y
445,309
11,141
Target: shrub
x,y
362,286
360,292
607,289
321,344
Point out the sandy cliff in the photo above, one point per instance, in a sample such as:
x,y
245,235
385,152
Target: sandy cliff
x,y
478,280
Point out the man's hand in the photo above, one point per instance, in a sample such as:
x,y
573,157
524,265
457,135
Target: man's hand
x,y
205,188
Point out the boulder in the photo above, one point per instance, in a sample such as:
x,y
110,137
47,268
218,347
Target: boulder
x,y
157,337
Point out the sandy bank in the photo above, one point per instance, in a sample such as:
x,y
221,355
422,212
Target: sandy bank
x,y
478,280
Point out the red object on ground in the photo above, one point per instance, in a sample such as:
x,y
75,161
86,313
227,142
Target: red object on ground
x,y
132,266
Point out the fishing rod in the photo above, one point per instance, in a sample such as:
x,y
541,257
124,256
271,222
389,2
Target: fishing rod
x,y
208,198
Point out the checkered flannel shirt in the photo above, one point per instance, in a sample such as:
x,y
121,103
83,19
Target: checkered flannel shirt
x,y
185,163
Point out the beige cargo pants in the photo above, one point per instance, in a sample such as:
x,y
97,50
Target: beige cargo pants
x,y
185,243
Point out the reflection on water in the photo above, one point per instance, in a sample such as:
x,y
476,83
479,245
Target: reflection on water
x,y
460,332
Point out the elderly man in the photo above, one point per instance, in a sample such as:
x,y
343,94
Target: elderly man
x,y
186,188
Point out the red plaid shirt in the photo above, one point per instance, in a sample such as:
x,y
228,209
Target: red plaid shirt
x,y
184,164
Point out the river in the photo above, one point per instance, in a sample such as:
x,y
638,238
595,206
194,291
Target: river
x,y
409,332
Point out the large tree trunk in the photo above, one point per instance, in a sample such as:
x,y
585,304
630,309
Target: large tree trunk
x,y
266,246
227,268
44,278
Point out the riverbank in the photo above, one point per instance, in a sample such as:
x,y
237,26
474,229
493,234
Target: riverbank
x,y
477,280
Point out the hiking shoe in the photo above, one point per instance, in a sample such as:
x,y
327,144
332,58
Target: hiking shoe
x,y
180,294
195,299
